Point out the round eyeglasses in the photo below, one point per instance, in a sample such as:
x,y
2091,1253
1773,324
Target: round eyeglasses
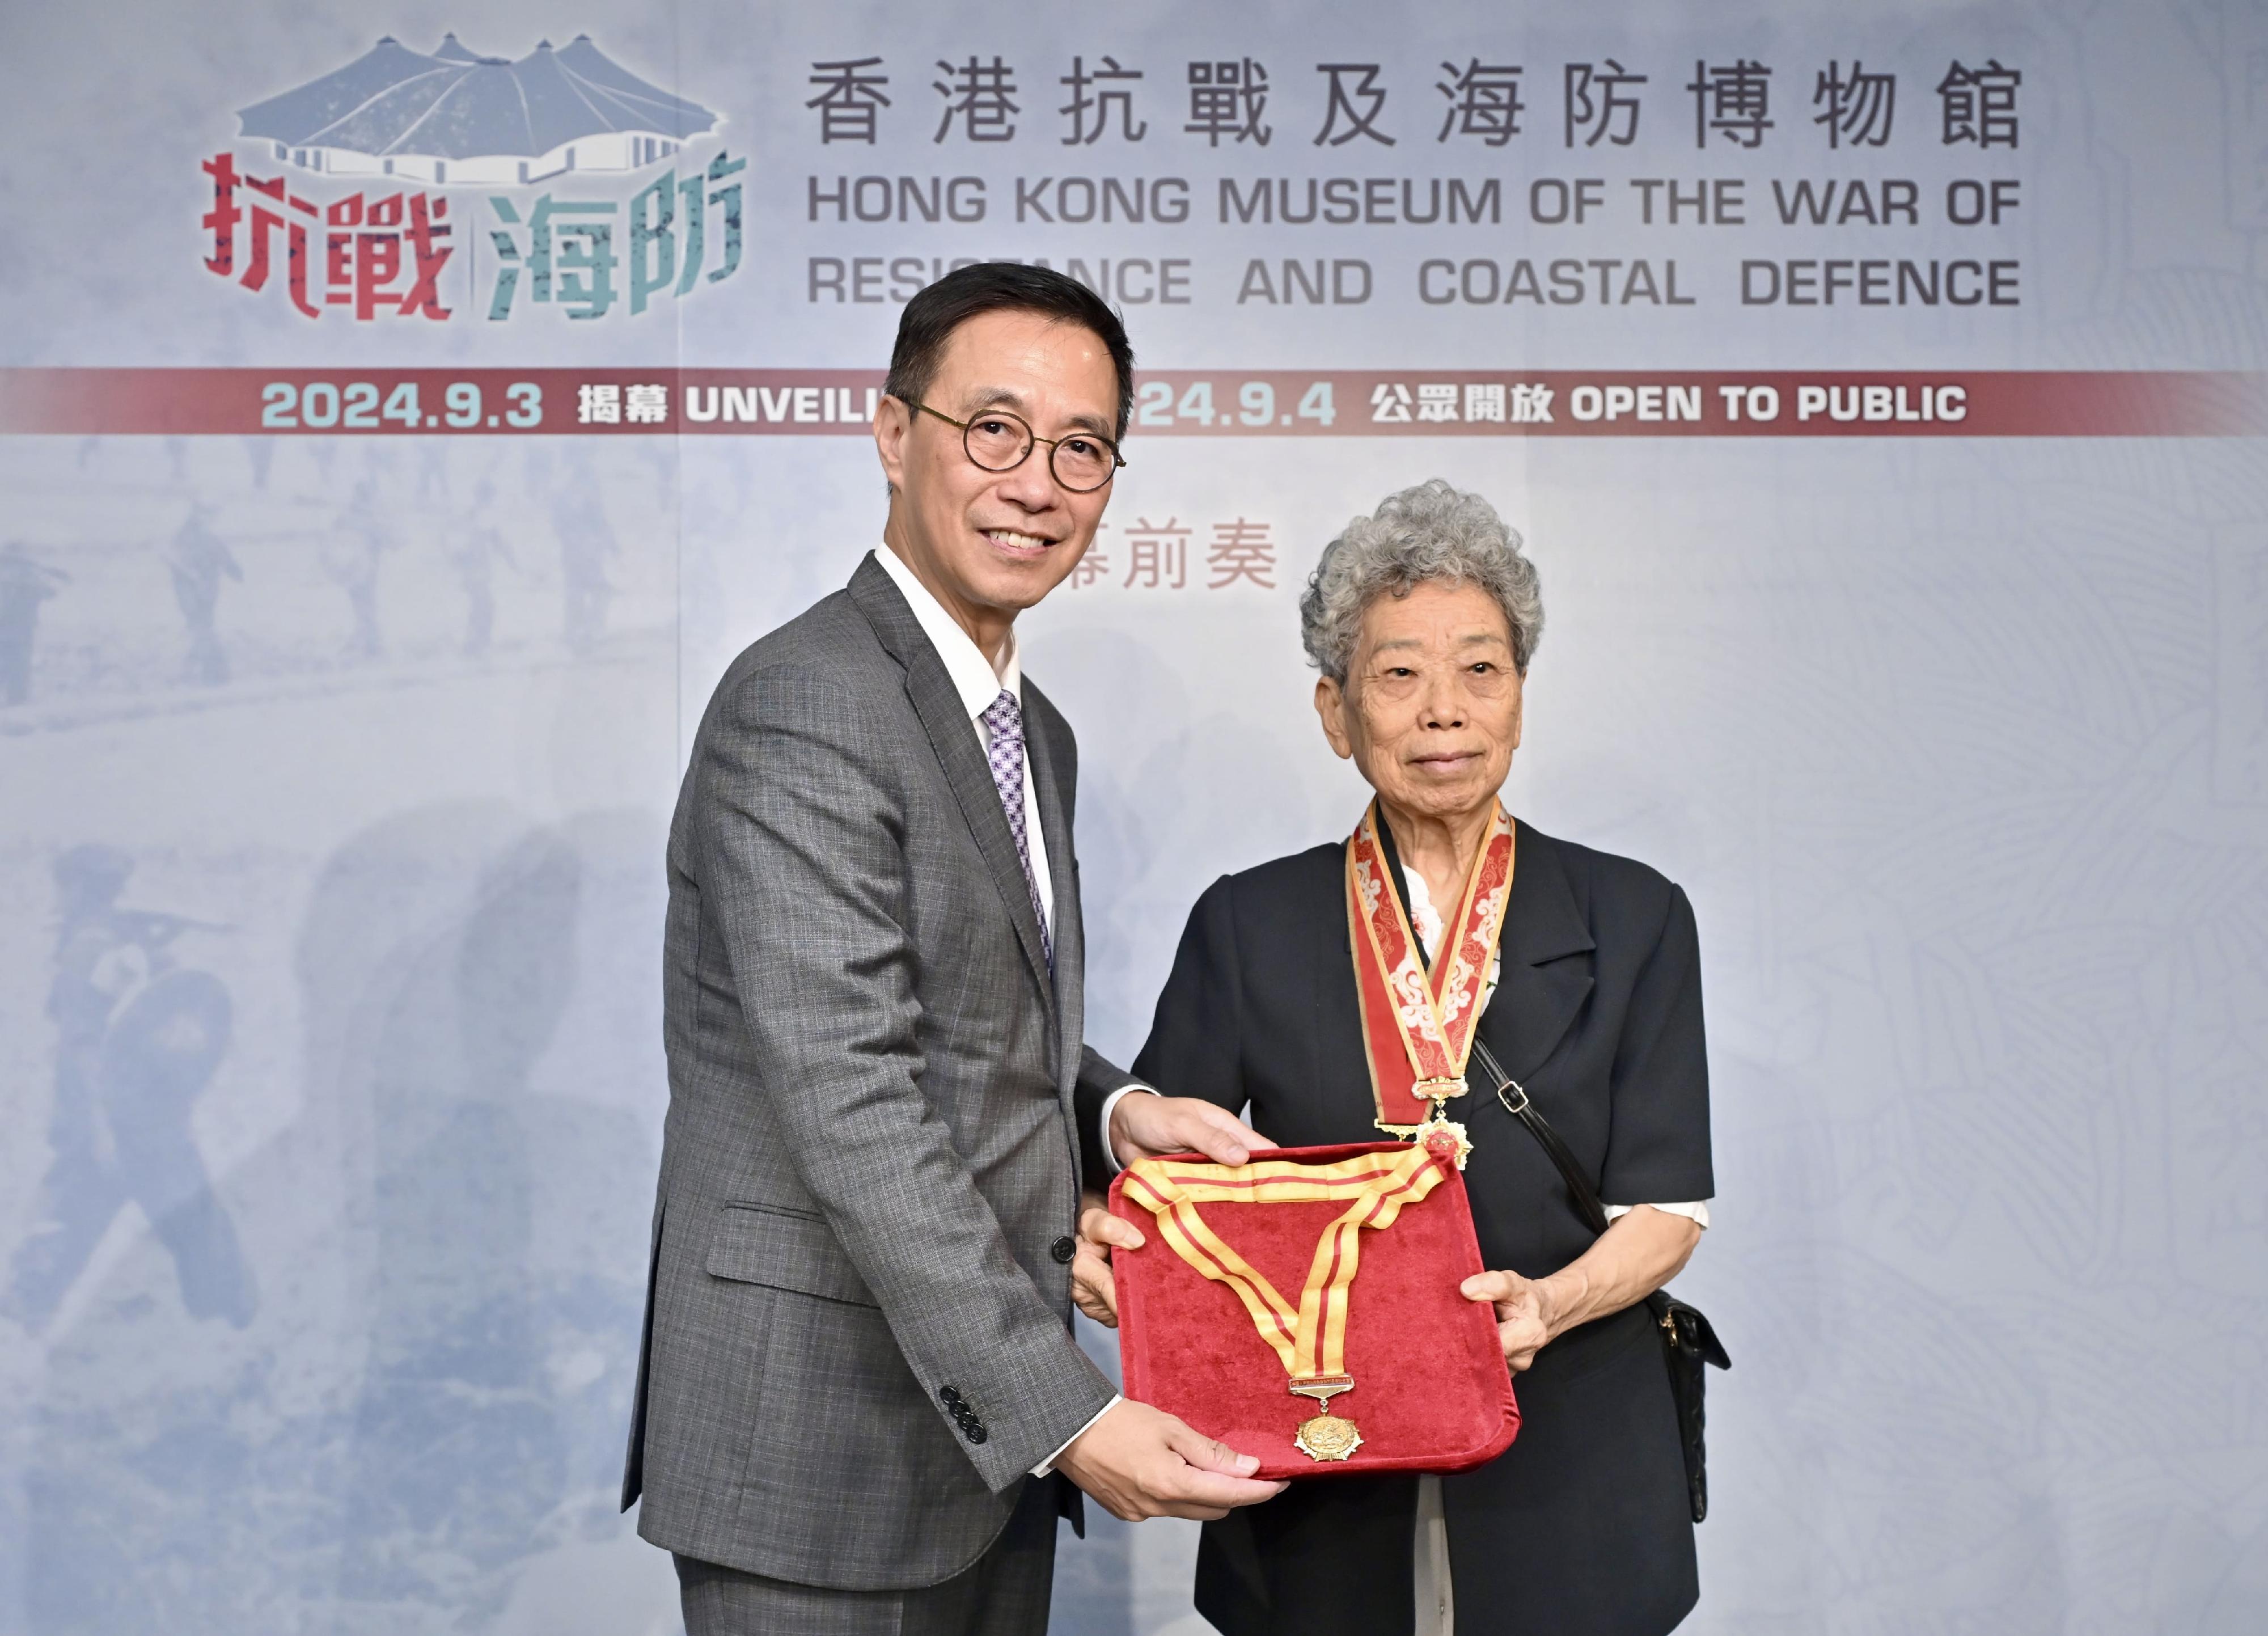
x,y
996,440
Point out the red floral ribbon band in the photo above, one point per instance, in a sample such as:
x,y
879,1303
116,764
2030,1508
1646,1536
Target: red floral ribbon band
x,y
1418,1025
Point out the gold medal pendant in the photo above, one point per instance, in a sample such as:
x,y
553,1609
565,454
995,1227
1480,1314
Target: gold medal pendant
x,y
1326,1436
1444,1137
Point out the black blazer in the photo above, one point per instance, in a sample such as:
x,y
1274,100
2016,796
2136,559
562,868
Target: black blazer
x,y
1582,1526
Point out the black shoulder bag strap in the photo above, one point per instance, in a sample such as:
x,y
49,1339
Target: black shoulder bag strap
x,y
1688,1341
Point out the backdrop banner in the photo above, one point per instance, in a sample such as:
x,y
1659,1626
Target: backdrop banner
x,y
401,429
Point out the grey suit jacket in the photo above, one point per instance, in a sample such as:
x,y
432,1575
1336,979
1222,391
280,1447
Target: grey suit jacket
x,y
857,1328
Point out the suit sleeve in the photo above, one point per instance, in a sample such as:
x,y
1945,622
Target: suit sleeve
x,y
1196,1046
1659,1143
801,839
1098,1077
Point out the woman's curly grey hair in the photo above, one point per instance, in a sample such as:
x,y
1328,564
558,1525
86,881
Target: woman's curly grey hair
x,y
1432,532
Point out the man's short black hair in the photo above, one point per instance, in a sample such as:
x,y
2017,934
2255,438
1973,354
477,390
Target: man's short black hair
x,y
932,316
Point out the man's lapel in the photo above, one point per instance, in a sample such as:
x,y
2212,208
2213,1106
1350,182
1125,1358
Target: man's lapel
x,y
1051,764
1545,977
953,737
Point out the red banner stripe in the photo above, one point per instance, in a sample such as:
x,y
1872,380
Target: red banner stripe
x,y
824,402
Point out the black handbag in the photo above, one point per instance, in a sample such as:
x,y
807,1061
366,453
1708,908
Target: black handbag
x,y
1688,1341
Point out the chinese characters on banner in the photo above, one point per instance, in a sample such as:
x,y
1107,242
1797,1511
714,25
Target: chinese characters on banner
x,y
570,254
412,253
1601,101
1520,403
369,255
365,254
605,404
1156,557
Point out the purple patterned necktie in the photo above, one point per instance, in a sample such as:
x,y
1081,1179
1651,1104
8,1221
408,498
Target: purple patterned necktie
x,y
1004,723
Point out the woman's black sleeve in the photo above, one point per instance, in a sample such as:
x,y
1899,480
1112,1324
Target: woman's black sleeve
x,y
1196,1044
1658,1150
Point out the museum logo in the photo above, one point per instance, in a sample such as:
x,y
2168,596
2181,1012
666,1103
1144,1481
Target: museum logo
x,y
406,124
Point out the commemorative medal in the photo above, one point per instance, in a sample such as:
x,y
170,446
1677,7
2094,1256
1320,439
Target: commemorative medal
x,y
1308,1338
1326,1436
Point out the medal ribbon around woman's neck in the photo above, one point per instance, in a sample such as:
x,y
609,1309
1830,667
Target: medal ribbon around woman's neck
x,y
1418,1025
1309,1339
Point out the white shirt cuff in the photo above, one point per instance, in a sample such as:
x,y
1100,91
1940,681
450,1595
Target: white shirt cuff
x,y
1048,1464
1109,1107
1697,1212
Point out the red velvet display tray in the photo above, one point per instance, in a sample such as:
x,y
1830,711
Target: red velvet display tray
x,y
1431,1393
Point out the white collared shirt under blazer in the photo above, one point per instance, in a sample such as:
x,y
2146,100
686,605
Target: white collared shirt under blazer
x,y
978,684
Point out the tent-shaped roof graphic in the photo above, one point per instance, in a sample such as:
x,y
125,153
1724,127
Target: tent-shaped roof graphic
x,y
393,102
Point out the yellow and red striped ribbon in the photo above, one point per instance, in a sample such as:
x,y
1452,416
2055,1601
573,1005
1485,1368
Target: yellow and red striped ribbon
x,y
1311,1338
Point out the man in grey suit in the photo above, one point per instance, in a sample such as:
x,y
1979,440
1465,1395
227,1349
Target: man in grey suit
x,y
858,1395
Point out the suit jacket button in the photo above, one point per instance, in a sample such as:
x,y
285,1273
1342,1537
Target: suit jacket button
x,y
948,1394
1063,1249
976,1430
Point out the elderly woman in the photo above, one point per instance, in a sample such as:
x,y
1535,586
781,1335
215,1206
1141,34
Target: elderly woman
x,y
1423,619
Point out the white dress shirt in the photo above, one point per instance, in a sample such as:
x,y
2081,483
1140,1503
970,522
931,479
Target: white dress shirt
x,y
979,682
